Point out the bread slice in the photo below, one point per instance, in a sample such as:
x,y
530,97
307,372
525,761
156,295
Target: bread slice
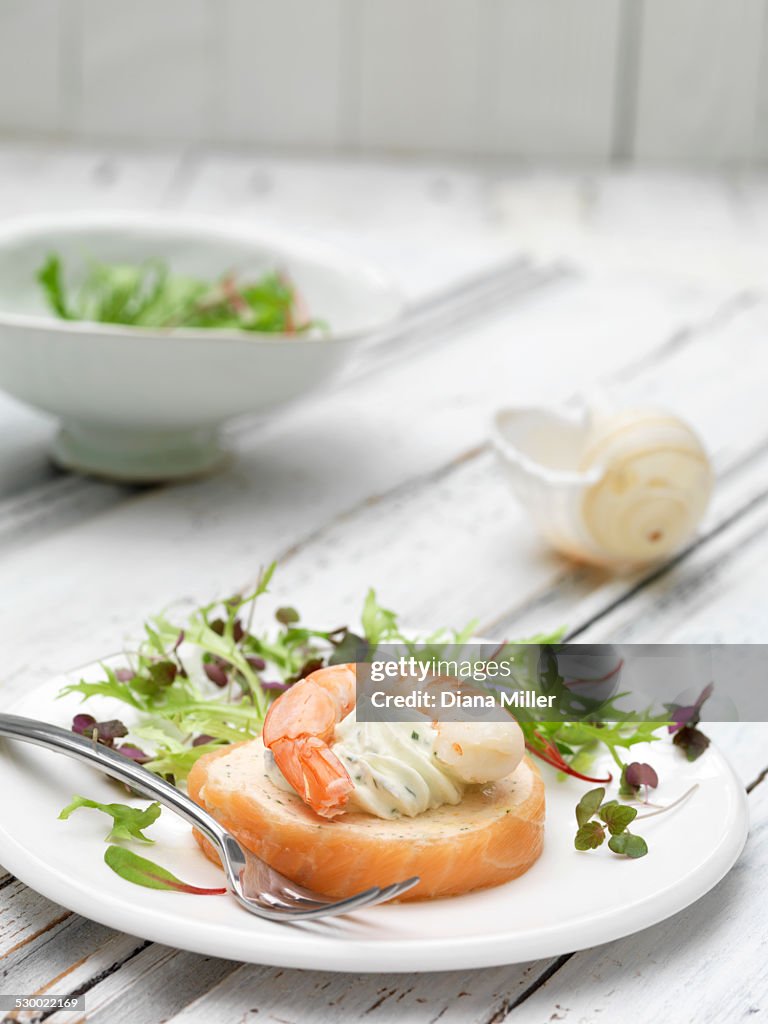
x,y
495,833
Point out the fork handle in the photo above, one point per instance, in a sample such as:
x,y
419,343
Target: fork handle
x,y
43,734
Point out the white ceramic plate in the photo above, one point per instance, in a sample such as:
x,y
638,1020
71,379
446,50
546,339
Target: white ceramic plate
x,y
567,901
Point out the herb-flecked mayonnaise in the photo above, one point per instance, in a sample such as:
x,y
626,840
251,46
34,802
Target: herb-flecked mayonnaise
x,y
394,767
407,768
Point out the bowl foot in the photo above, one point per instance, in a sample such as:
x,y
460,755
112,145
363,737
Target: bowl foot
x,y
131,456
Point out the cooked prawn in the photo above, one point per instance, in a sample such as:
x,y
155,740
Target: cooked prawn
x,y
299,729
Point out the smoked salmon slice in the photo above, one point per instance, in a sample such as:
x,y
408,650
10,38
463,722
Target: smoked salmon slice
x,y
494,835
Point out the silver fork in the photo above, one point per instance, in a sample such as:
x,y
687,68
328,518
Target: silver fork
x,y
255,885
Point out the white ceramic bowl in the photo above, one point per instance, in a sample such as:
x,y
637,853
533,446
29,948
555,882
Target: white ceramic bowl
x,y
147,404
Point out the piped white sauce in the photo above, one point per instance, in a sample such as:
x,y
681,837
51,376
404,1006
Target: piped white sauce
x,y
406,768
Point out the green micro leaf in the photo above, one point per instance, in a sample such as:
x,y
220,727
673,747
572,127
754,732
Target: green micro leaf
x,y
127,822
145,872
287,615
617,816
589,805
628,845
590,836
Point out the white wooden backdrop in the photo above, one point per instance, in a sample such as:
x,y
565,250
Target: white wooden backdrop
x,y
651,80
406,496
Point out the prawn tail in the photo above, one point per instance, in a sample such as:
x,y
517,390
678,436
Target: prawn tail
x,y
314,771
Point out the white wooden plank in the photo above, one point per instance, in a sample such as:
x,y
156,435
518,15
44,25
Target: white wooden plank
x,y
456,997
201,539
551,93
760,151
149,986
66,953
112,962
705,965
419,75
263,470
23,456
25,917
38,178
699,68
462,524
52,502
281,73
30,67
697,227
368,993
745,744
714,593
147,70
424,224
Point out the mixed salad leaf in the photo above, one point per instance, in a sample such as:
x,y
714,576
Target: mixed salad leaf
x,y
150,295
209,680
197,685
127,822
206,682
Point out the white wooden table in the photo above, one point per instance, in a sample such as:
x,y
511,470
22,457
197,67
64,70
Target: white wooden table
x,y
524,286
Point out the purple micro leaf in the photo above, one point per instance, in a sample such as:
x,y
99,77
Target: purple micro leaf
x,y
681,716
104,732
124,675
216,673
639,774
202,739
179,641
237,631
133,753
689,714
691,741
110,731
83,724
256,663
274,686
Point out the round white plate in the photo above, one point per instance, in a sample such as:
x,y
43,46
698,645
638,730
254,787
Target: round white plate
x,y
567,901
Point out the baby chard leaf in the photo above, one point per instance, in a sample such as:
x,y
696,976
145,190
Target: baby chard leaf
x,y
128,822
145,872
589,805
